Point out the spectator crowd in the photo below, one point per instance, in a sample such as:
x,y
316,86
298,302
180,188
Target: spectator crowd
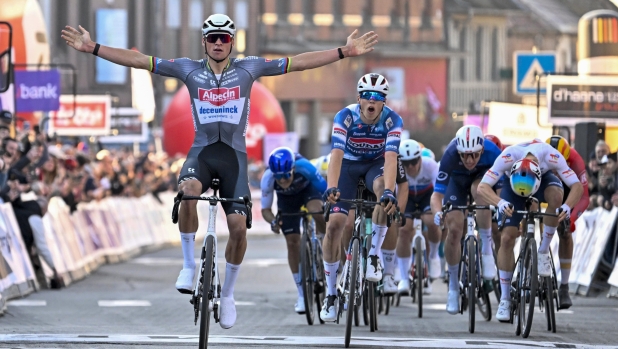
x,y
34,168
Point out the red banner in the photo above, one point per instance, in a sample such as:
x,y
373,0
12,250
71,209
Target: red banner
x,y
91,116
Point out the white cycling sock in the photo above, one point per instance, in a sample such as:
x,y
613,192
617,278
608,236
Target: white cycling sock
x,y
187,242
433,249
505,284
486,240
453,277
548,234
377,238
298,283
231,273
404,267
330,270
390,263
565,271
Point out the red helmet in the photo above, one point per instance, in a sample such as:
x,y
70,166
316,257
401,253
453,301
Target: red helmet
x,y
495,140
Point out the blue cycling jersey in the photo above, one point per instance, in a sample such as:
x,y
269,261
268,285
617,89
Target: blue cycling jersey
x,y
360,141
305,174
451,165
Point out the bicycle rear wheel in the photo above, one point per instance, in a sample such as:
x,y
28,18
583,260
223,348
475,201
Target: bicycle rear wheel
x,y
306,273
548,300
529,286
353,277
207,274
373,307
472,285
419,273
319,287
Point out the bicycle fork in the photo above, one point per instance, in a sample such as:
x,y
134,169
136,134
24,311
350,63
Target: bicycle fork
x,y
418,234
470,235
214,293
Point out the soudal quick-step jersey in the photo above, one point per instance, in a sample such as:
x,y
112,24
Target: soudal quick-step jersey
x,y
361,142
220,105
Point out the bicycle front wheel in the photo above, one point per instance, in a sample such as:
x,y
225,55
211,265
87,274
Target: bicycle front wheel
x,y
471,284
419,274
351,301
306,273
529,282
207,275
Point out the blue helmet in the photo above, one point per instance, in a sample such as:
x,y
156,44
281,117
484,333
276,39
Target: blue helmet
x,y
281,160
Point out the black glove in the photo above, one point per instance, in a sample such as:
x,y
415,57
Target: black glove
x,y
387,197
274,226
330,191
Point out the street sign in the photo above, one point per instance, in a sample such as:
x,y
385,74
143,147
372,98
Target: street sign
x,y
526,65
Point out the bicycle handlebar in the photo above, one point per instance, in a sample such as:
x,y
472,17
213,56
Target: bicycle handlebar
x,y
245,200
565,223
359,203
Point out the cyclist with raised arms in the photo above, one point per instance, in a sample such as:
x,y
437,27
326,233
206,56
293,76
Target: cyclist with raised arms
x,y
465,161
296,182
365,142
565,251
421,173
220,87
529,166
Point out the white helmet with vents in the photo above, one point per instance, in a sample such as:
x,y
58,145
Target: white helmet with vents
x,y
409,150
373,82
218,23
469,139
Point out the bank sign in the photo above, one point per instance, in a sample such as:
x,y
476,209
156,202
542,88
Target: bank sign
x,y
573,99
37,90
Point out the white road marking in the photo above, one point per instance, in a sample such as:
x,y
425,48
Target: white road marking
x,y
27,303
258,262
243,303
290,341
124,303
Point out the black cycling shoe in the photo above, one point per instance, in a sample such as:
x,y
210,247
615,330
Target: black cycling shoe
x,y
564,297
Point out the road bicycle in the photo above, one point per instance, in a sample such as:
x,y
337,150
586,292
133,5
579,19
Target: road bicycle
x,y
311,264
526,284
207,289
351,284
470,281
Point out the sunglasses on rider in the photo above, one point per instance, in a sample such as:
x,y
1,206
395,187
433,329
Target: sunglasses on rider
x,y
373,95
224,37
412,162
280,176
474,156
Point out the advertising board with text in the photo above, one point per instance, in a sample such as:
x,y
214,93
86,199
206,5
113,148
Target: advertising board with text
x,y
517,123
92,116
575,99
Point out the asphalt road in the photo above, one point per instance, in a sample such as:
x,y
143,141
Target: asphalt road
x,y
135,304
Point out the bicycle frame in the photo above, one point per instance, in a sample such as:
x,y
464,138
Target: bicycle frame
x,y
214,298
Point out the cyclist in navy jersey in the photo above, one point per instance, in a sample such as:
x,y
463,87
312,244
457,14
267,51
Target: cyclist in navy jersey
x,y
219,87
462,167
365,143
297,182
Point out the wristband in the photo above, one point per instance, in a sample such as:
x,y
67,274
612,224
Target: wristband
x,y
341,56
96,49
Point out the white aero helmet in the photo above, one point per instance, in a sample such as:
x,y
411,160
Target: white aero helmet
x,y
525,177
469,139
218,23
373,82
409,149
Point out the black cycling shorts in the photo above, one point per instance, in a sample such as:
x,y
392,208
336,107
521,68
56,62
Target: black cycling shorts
x,y
219,160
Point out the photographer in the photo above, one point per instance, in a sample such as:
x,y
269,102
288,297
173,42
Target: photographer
x,y
607,181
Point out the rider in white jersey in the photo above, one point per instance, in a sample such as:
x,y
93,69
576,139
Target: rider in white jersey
x,y
220,87
421,173
539,160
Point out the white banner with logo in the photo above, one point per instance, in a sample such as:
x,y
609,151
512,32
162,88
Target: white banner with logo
x,y
90,117
517,123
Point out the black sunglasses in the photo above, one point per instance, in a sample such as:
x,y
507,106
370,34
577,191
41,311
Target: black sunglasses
x,y
412,162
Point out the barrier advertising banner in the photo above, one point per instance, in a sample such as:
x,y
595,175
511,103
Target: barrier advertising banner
x,y
37,90
91,117
575,99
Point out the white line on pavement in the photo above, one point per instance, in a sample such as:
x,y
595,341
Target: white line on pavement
x,y
125,303
291,341
27,303
258,262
